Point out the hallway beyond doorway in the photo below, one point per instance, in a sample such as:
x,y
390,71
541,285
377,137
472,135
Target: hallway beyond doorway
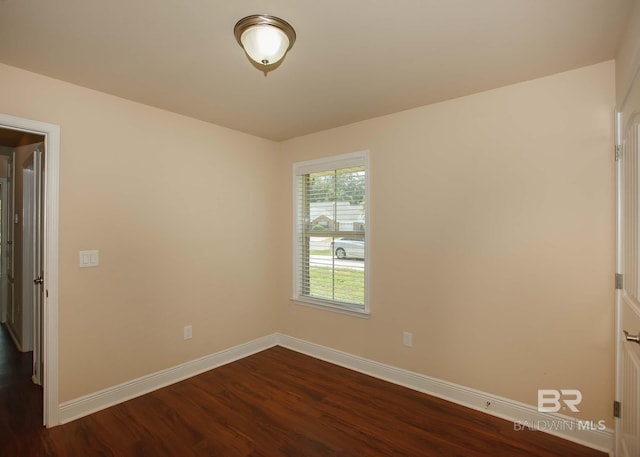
x,y
20,399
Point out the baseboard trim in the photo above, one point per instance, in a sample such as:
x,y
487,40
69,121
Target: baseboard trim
x,y
514,411
88,404
15,339
504,408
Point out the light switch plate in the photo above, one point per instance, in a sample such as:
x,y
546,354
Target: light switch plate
x,y
89,259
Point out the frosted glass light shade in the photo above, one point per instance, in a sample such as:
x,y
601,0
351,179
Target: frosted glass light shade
x,y
266,39
265,44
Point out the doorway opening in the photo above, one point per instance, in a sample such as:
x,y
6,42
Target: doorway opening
x,y
29,164
20,308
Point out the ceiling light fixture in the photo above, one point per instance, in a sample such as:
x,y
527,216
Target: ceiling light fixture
x,y
266,39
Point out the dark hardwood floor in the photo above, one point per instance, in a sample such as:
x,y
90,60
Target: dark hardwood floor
x,y
20,401
275,403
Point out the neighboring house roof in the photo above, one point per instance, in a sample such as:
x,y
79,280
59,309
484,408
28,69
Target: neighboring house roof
x,y
343,212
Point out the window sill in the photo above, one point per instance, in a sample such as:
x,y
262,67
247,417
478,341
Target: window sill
x,y
319,304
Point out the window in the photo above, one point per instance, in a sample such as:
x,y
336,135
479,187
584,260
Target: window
x,y
331,232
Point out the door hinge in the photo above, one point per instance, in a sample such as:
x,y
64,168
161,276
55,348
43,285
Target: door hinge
x,y
616,409
618,152
619,281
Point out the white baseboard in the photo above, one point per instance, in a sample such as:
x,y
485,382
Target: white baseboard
x,y
15,339
514,411
88,404
504,408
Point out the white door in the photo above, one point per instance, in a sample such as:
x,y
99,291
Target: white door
x,y
32,269
628,277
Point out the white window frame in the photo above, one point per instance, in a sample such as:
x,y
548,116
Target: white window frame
x,y
354,159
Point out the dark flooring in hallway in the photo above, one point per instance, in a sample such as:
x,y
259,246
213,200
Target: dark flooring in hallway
x,y
20,400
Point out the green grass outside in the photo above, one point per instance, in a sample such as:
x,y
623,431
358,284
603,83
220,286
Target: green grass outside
x,y
349,284
320,252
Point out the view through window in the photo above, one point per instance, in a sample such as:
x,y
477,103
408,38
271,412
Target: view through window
x,y
331,232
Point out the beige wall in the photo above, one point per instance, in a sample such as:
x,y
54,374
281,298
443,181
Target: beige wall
x,y
181,212
628,58
505,272
504,276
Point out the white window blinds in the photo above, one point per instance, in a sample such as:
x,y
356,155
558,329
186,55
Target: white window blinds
x,y
331,245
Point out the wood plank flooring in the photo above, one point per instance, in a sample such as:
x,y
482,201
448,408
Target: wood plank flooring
x,y
20,401
275,403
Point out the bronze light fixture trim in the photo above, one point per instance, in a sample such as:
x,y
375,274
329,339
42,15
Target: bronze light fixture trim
x,y
265,39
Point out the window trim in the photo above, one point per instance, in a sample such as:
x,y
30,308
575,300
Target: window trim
x,y
353,159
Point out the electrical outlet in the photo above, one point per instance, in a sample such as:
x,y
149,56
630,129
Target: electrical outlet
x,y
188,332
407,338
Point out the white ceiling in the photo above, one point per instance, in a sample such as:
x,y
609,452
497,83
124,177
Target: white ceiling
x,y
353,60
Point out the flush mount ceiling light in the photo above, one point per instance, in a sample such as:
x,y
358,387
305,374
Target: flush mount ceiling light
x,y
266,39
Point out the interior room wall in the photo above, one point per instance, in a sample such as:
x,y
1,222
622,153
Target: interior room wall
x,y
492,239
628,57
492,236
182,213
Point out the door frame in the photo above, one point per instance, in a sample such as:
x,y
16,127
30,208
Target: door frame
x,y
51,407
619,338
3,250
619,267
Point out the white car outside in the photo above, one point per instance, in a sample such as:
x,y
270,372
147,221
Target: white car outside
x,y
348,247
